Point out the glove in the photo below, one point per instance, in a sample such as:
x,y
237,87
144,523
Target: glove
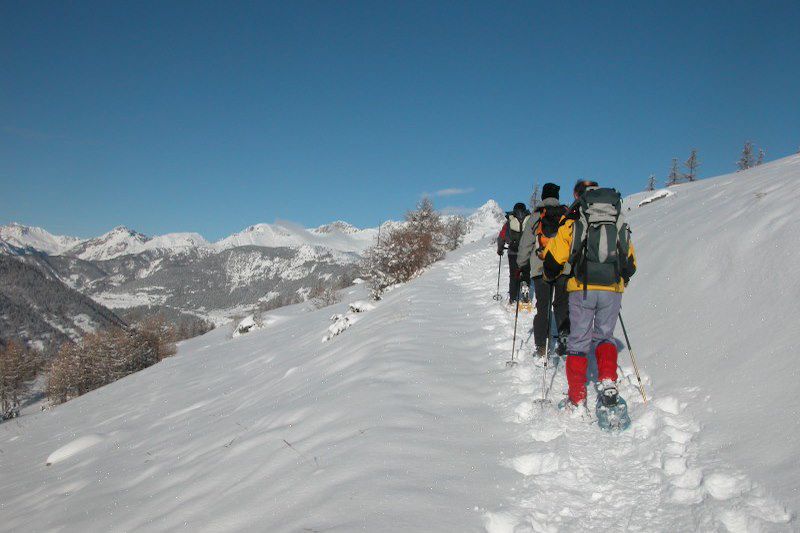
x,y
500,251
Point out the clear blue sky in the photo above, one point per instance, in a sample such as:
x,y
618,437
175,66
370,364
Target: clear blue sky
x,y
211,116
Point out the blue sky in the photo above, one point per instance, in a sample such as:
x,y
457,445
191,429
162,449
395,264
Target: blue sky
x,y
211,116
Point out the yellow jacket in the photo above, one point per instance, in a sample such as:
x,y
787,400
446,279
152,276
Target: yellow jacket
x,y
556,255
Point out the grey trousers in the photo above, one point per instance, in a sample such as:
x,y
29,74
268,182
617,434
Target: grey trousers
x,y
592,320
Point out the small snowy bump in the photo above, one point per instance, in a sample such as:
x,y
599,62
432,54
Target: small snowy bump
x,y
686,496
73,448
675,448
499,522
678,435
523,411
737,521
361,306
536,464
691,479
723,486
644,426
674,466
669,404
546,434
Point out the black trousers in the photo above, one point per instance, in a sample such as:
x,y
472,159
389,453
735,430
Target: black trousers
x,y
560,308
515,275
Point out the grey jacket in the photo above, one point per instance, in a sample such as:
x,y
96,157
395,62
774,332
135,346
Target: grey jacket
x,y
527,244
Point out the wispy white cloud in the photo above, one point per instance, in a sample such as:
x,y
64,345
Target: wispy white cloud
x,y
454,191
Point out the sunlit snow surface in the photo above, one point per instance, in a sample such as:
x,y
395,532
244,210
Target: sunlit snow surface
x,y
409,419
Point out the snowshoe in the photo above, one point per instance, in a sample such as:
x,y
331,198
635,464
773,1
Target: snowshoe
x,y
611,410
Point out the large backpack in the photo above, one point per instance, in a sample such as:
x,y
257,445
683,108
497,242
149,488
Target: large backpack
x,y
547,227
515,226
600,238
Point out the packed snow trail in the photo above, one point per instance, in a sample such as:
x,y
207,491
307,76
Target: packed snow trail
x,y
408,420
578,478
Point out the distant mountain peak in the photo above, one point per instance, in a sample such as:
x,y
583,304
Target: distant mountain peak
x,y
20,236
337,225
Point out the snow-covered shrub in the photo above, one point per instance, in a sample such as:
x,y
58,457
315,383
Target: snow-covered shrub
x,y
406,250
343,321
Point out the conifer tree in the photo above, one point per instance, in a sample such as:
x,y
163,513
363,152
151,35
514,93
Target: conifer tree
x,y
651,183
691,165
674,174
746,160
534,197
761,154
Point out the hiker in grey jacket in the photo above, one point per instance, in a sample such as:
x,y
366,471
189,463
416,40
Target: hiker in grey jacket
x,y
539,228
508,239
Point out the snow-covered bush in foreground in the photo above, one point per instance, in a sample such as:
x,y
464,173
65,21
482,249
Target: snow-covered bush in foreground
x,y
343,321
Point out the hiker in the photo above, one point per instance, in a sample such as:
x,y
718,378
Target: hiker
x,y
539,229
509,237
595,240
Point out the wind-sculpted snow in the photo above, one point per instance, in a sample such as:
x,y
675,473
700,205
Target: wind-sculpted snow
x,y
407,421
714,307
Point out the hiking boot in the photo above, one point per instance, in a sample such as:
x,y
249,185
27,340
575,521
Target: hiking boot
x,y
541,351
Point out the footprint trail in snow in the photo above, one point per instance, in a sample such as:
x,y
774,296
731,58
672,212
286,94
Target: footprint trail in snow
x,y
574,477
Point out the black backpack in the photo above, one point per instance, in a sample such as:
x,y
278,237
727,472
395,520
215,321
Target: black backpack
x,y
600,238
515,226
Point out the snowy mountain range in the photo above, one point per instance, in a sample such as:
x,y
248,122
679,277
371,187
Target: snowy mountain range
x,y
264,264
403,416
337,236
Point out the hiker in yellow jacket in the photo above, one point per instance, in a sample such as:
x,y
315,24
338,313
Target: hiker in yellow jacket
x,y
595,240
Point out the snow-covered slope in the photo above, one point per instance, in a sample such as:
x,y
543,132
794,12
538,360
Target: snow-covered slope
x,y
21,236
714,311
407,419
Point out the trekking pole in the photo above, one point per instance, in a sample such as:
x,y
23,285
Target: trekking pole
x,y
513,361
497,296
547,343
633,358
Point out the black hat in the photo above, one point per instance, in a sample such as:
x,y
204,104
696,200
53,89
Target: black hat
x,y
550,190
519,206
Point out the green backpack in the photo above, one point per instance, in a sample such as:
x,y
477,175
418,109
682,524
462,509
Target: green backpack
x,y
600,238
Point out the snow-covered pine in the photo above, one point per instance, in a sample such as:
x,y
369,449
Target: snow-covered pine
x,y
746,160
